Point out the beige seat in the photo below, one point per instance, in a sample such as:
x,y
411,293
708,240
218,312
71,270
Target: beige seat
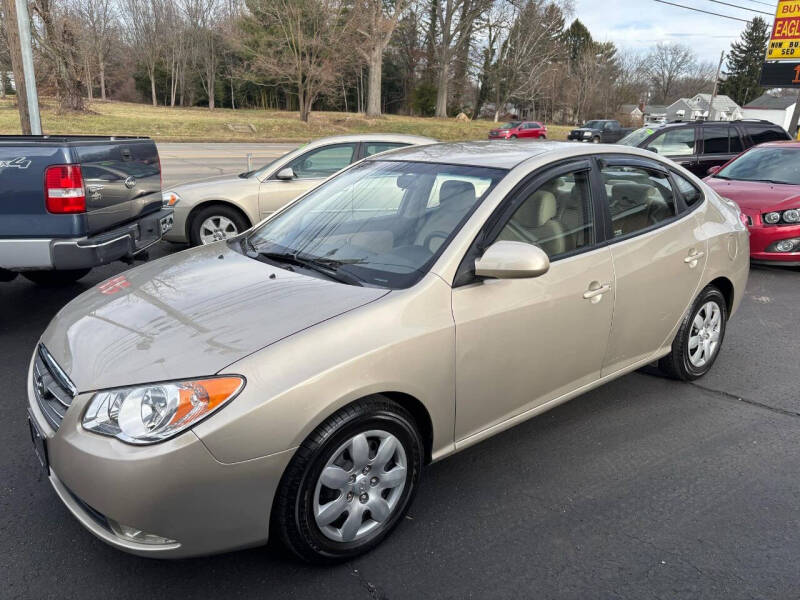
x,y
641,206
535,222
456,198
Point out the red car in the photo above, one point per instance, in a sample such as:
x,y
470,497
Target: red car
x,y
765,183
519,129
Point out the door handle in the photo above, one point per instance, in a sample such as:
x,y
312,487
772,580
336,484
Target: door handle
x,y
693,258
596,293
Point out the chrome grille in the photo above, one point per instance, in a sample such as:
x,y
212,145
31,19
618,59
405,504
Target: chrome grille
x,y
51,386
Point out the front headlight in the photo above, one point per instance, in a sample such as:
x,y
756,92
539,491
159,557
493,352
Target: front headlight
x,y
786,217
169,199
148,414
587,134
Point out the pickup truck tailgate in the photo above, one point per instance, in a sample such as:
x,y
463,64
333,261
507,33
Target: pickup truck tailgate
x,y
122,181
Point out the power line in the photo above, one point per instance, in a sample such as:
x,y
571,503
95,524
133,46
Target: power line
x,y
742,7
700,10
772,6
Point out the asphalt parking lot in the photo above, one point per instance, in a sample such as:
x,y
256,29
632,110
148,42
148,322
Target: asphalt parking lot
x,y
645,488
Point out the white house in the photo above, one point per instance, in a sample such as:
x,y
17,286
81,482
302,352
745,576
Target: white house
x,y
699,108
775,109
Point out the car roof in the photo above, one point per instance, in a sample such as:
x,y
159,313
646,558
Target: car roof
x,y
786,144
371,137
501,154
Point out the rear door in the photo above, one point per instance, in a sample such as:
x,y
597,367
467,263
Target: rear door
x,y
122,180
658,252
310,169
721,142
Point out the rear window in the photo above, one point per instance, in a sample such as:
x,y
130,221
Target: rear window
x,y
762,134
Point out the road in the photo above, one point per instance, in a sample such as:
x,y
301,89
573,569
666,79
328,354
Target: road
x,y
644,488
186,162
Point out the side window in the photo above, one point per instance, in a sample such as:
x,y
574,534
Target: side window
x,y
691,195
762,134
675,142
638,198
736,140
323,162
557,217
715,140
378,147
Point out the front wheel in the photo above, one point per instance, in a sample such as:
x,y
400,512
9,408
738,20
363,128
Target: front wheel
x,y
595,140
215,223
513,137
699,339
350,482
55,278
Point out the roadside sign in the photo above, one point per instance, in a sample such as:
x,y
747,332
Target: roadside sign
x,y
785,41
781,75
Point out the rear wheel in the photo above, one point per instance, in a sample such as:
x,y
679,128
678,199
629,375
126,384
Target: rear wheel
x,y
350,482
699,339
55,278
216,223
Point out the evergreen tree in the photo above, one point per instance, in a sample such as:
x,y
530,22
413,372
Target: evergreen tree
x,y
577,39
744,63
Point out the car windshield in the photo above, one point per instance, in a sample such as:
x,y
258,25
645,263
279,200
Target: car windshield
x,y
634,138
774,165
380,223
511,125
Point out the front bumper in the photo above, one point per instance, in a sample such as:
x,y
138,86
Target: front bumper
x,y
86,252
762,237
175,489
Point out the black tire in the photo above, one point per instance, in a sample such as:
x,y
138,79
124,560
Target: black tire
x,y
513,137
542,137
6,275
293,511
55,278
215,210
677,363
595,140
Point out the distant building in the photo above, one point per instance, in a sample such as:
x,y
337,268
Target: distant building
x,y
655,113
630,111
775,109
699,108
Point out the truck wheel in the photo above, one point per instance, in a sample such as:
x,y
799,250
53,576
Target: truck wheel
x,y
595,140
55,278
216,223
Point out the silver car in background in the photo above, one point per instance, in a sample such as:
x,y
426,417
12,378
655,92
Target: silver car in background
x,y
292,382
220,208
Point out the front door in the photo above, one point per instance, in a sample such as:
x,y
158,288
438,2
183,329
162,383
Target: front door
x,y
658,255
521,343
679,144
310,169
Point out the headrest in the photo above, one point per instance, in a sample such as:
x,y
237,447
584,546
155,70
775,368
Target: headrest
x,y
537,210
457,195
628,195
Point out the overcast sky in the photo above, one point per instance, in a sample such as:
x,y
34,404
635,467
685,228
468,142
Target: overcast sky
x,y
638,24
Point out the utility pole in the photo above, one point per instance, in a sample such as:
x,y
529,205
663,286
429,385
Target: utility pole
x,y
12,35
26,47
716,85
795,118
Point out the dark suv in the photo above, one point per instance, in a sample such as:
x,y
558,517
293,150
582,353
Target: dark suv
x,y
700,145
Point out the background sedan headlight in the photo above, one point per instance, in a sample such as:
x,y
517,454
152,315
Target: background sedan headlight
x,y
791,216
169,199
786,217
772,218
152,413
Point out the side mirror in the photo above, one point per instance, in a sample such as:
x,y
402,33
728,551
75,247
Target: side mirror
x,y
714,170
512,260
285,174
651,149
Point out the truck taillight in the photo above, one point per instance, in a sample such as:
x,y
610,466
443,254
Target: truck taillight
x,y
63,189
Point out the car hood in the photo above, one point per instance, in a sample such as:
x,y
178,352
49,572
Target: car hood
x,y
583,129
204,184
189,315
757,196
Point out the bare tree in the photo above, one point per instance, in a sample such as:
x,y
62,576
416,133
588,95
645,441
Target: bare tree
x,y
375,22
456,21
99,21
203,17
666,64
58,34
146,34
299,43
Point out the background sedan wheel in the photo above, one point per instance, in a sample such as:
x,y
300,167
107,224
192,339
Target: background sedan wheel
x,y
216,223
697,344
350,482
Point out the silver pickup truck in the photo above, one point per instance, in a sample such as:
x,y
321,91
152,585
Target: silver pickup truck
x,y
70,203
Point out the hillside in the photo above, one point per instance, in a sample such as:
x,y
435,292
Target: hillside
x,y
226,125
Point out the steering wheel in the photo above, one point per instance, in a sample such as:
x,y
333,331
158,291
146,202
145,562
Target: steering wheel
x,y
435,235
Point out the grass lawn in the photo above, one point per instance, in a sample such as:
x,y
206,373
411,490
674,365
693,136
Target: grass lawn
x,y
226,125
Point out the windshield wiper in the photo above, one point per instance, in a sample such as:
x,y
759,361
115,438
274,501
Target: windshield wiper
x,y
770,181
328,268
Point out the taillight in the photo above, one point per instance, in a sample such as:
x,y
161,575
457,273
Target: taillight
x,y
63,189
